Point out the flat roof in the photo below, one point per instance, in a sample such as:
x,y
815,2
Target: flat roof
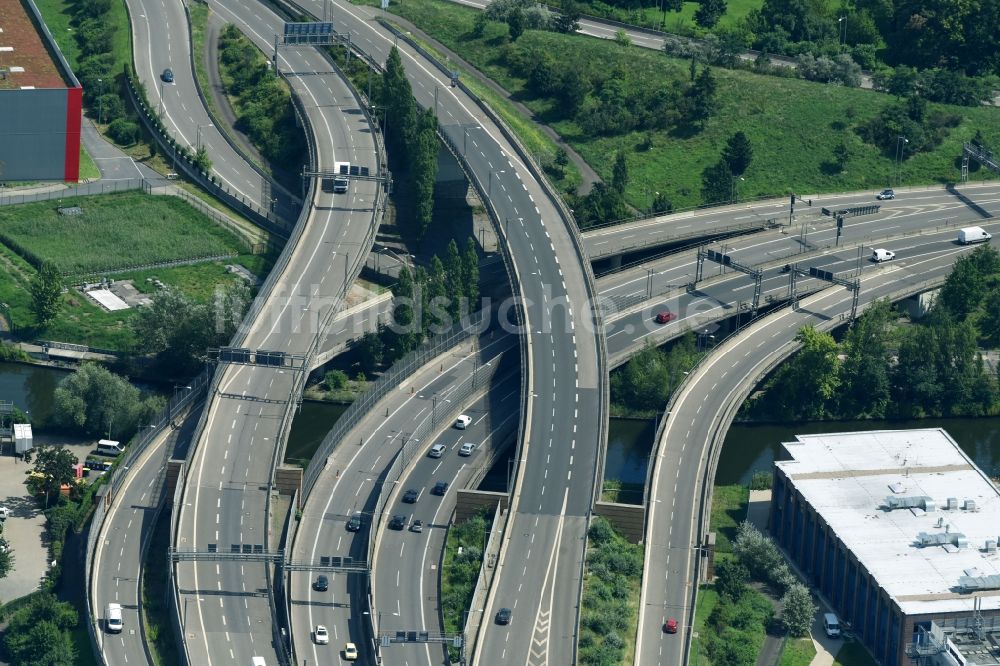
x,y
847,477
23,50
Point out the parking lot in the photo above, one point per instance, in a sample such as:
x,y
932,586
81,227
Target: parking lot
x,y
24,530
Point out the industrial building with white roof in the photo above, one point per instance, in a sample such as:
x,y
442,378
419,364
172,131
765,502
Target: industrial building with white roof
x,y
897,529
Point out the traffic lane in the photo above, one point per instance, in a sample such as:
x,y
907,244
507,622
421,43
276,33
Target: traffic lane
x,y
765,247
715,300
686,416
366,470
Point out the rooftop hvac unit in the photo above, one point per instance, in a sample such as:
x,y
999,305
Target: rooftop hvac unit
x,y
952,503
893,502
954,538
991,546
970,505
973,583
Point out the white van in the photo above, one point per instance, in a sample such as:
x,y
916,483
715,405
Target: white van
x,y
113,619
973,235
258,661
881,254
830,625
109,447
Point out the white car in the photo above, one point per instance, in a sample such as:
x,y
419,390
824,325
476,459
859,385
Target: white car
x,y
437,451
321,635
350,652
463,421
881,254
4,513
467,449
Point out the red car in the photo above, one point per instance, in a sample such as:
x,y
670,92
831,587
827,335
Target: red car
x,y
665,316
670,626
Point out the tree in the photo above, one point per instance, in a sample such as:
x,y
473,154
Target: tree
x,y
738,154
661,204
38,633
335,380
622,39
806,387
619,173
46,289
371,351
55,464
797,610
396,97
6,563
700,98
568,19
515,24
971,278
731,579
470,274
423,170
989,323
865,385
716,183
455,286
479,27
709,12
573,90
101,403
841,154
202,160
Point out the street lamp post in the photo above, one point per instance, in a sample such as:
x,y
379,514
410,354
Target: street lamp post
x,y
842,30
100,103
736,190
901,142
197,146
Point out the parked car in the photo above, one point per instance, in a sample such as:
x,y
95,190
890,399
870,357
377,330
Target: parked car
x,y
440,488
830,625
463,421
397,522
885,194
467,449
665,316
881,254
167,76
437,451
410,496
354,523
321,635
350,652
322,583
670,626
504,616
4,512
417,526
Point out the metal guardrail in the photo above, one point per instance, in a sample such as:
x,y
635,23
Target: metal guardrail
x,y
13,198
116,478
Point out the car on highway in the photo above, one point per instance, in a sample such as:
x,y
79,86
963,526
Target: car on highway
x,y
463,421
168,75
113,619
467,449
354,523
410,496
322,583
417,526
885,194
440,488
437,451
504,616
665,316
397,522
881,254
321,635
351,652
670,626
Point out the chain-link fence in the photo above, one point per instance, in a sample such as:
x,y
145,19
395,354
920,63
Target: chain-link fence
x,y
57,192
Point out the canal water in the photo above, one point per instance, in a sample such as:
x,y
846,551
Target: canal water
x,y
31,388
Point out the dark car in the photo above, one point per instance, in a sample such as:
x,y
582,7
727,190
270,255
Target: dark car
x,y
410,496
440,488
670,626
354,523
321,584
168,75
397,522
885,194
504,615
665,316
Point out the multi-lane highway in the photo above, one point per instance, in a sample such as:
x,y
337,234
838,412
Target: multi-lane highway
x,y
160,34
702,410
224,607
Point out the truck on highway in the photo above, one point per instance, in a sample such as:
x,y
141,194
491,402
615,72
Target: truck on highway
x,y
973,235
341,171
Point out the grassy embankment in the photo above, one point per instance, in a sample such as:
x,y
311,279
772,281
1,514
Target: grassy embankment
x,y
793,125
797,652
459,573
116,230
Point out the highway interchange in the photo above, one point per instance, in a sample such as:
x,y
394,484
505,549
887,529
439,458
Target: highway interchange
x,y
546,527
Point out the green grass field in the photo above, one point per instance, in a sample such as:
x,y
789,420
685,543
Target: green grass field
x,y
708,599
677,22
794,125
58,16
87,167
114,231
729,509
797,652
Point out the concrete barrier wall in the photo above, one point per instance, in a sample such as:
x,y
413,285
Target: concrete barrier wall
x,y
288,480
469,502
626,518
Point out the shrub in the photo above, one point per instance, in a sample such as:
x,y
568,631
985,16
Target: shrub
x,y
123,132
